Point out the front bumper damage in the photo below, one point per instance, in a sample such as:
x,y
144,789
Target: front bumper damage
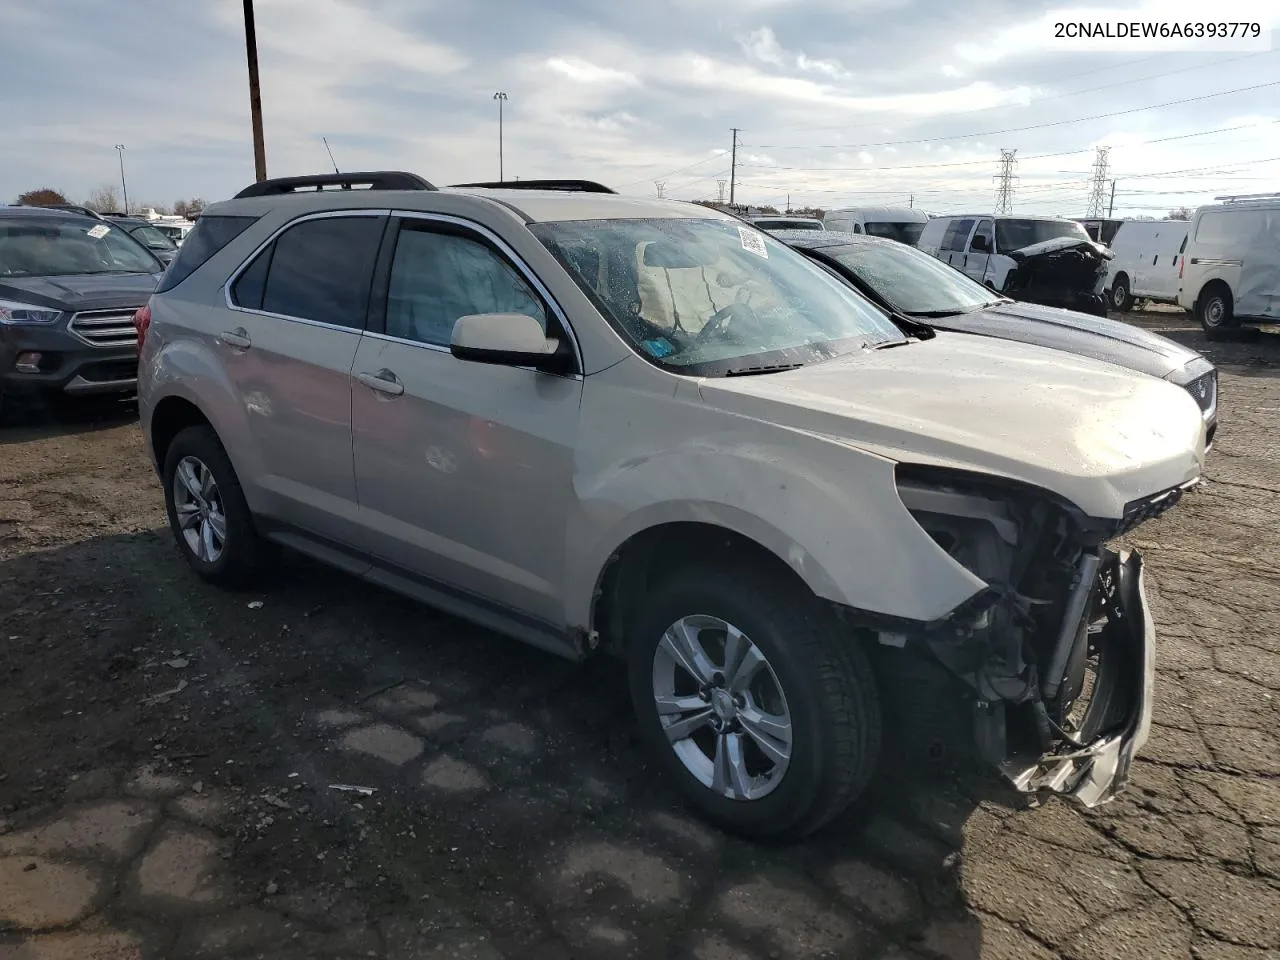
x,y
1096,772
1047,674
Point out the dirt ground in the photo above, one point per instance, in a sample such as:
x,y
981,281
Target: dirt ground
x,y
175,763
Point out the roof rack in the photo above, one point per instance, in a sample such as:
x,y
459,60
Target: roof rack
x,y
568,186
378,180
1245,197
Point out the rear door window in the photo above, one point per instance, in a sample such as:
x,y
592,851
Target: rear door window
x,y
207,237
319,270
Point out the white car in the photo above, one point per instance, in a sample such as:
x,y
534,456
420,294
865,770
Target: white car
x,y
1230,272
603,424
1146,263
892,223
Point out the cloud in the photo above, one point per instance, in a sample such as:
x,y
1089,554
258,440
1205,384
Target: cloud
x,y
583,72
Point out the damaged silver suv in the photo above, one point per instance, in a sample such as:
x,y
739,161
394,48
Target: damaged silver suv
x,y
600,423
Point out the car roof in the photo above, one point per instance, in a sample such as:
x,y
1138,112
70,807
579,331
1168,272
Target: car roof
x,y
20,210
884,210
1001,216
532,205
819,240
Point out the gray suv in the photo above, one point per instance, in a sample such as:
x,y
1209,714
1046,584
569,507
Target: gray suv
x,y
598,423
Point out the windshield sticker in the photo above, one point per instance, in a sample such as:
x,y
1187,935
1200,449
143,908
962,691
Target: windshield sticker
x,y
753,242
659,347
99,231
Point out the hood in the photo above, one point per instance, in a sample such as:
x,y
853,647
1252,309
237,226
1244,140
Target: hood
x,y
1058,244
1108,340
1096,435
93,291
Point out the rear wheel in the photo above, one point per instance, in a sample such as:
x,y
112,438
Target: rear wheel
x,y
764,712
1214,310
207,511
1121,297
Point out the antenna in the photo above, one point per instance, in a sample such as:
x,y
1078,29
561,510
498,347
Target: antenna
x,y
1005,181
330,152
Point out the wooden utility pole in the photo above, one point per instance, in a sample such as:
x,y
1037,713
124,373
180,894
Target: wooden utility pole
x,y
255,94
1111,207
733,165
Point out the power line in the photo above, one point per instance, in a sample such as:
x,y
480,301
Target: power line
x,y
1045,99
1034,126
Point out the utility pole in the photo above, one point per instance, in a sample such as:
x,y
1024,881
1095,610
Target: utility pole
x,y
123,187
1005,181
255,93
1098,190
911,201
788,203
501,98
733,165
1111,207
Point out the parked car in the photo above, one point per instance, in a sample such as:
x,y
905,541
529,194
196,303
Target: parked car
x,y
69,287
1037,259
1147,260
903,224
597,423
910,282
773,223
1230,271
155,240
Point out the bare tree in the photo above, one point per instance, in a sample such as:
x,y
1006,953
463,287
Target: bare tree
x,y
104,199
188,208
1180,213
43,197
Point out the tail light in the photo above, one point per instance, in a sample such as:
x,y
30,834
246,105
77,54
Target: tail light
x,y
141,321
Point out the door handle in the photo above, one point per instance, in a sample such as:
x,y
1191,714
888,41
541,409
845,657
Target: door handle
x,y
1195,259
384,381
237,338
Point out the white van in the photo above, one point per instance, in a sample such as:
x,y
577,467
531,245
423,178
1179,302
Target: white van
x,y
1230,273
1148,255
893,223
1047,260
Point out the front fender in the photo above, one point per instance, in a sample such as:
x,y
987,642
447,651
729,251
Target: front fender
x,y
829,511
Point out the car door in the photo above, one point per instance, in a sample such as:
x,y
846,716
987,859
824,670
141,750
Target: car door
x,y
957,242
979,251
464,470
298,308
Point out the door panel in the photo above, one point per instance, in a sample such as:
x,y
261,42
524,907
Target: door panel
x,y
299,307
465,477
976,261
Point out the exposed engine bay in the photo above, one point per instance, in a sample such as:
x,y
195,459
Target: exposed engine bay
x,y
1063,272
1046,674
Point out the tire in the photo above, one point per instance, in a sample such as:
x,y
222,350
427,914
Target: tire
x,y
242,552
828,692
1214,311
1121,296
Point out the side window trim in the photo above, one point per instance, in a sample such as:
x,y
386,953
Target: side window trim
x,y
323,215
382,275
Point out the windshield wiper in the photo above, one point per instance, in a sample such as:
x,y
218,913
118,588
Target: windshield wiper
x,y
936,314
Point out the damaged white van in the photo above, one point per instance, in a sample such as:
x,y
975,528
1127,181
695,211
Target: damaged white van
x,y
1230,272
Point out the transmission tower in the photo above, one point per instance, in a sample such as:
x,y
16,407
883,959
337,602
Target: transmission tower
x,y
661,186
1098,190
1005,181
722,184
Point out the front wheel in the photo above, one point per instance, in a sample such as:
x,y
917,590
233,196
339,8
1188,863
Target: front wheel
x,y
751,697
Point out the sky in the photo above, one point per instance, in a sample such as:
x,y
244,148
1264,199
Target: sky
x,y
839,102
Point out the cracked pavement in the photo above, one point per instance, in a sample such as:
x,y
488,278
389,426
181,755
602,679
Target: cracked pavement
x,y
321,769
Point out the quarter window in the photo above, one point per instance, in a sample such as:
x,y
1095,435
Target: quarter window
x,y
437,277
957,235
316,270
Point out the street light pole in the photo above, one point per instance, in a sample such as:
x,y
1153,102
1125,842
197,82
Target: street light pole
x,y
501,98
255,94
123,187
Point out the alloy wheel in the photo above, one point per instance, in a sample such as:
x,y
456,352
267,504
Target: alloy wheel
x,y
197,502
722,708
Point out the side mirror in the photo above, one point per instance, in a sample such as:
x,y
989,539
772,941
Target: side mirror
x,y
980,244
508,339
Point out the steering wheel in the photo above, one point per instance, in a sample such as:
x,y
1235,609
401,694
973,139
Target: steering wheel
x,y
718,323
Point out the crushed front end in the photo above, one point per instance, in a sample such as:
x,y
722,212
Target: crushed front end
x,y
1047,673
1063,273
